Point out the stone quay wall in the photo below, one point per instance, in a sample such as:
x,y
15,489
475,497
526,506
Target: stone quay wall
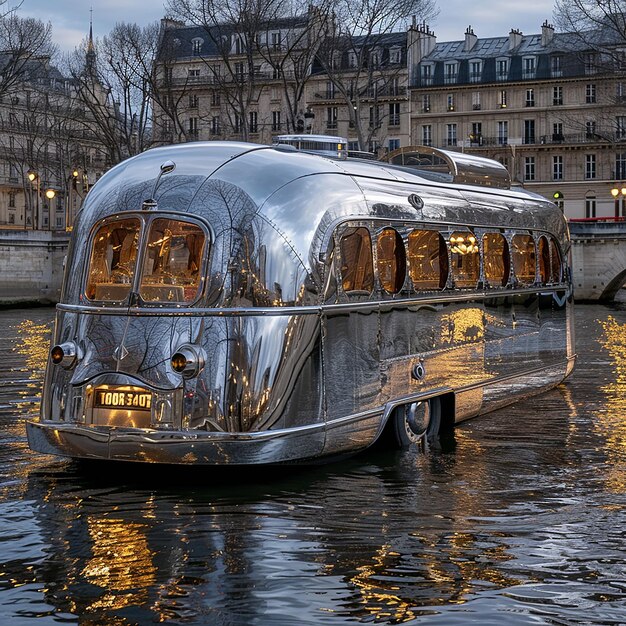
x,y
31,266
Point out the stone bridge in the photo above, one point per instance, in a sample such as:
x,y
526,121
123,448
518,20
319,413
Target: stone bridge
x,y
598,257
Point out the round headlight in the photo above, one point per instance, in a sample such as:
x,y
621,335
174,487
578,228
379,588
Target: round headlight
x,y
188,360
64,354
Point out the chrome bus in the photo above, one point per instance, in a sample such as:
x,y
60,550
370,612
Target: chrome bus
x,y
229,303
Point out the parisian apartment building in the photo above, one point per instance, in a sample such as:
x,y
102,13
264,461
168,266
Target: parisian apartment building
x,y
547,107
49,156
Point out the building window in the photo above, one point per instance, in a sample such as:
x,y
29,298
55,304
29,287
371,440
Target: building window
x,y
557,132
427,135
476,136
375,58
530,97
426,103
475,71
590,166
395,56
237,123
620,127
502,98
275,120
193,74
253,122
450,102
590,63
239,72
193,126
476,100
11,199
590,129
590,206
620,165
529,131
238,45
275,41
11,218
502,69
331,117
427,74
503,133
276,72
590,93
557,95
193,101
374,117
394,144
451,134
528,67
196,46
215,125
529,168
450,73
556,67
557,167
394,114
352,59
215,98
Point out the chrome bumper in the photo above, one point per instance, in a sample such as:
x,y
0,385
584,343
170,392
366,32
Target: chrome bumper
x,y
176,447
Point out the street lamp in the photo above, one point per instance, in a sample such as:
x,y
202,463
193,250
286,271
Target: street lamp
x,y
32,177
616,192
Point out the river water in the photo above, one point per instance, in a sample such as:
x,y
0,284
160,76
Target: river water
x,y
524,522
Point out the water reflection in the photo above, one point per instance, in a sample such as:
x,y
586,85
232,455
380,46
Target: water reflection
x,y
610,419
521,523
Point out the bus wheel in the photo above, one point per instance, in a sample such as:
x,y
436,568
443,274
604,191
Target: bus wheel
x,y
416,423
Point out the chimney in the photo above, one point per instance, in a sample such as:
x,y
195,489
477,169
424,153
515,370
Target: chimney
x,y
515,38
420,43
547,33
470,39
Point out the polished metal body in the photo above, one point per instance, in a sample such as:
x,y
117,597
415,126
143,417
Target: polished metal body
x,y
281,364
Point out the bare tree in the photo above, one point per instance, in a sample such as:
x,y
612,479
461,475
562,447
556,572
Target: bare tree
x,y
22,40
115,83
355,59
238,35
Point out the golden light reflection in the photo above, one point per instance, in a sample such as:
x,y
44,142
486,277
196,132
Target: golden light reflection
x,y
121,563
462,326
610,421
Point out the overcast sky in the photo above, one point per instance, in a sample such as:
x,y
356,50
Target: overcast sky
x,y
488,18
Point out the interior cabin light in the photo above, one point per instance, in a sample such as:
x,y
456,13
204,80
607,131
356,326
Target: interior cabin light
x,y
64,354
188,361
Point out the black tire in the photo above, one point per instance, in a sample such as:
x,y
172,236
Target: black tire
x,y
415,423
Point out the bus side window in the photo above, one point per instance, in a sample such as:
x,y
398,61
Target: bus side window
x,y
496,259
428,260
357,269
556,267
524,259
543,248
390,260
465,259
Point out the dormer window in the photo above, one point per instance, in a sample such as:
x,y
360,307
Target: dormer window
x,y
528,67
196,45
375,58
502,69
395,56
352,59
238,47
475,68
450,73
427,74
556,69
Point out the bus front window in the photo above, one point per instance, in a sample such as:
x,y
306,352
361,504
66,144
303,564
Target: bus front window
x,y
112,261
173,262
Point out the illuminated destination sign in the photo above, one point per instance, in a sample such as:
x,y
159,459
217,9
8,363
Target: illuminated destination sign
x,y
122,398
